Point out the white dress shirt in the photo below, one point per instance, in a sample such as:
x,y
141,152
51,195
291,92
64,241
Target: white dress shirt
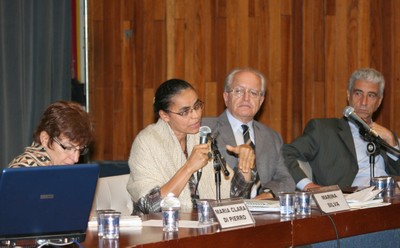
x,y
238,130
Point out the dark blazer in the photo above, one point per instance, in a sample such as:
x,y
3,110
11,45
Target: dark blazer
x,y
269,161
328,146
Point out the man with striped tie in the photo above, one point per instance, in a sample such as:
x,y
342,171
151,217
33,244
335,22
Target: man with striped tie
x,y
244,93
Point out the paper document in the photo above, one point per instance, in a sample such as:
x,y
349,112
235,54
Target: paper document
x,y
365,198
262,205
123,221
363,195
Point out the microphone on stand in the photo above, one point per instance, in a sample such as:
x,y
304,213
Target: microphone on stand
x,y
350,114
365,129
217,155
219,163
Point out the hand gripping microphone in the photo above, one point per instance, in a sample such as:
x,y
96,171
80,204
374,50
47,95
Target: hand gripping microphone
x,y
350,114
204,133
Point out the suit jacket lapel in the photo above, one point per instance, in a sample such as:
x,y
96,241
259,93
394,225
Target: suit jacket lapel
x,y
226,137
258,138
225,130
344,133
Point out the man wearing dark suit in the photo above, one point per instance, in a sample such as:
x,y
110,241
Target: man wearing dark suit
x,y
243,95
335,149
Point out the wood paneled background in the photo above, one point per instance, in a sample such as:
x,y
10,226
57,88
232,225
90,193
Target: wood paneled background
x,y
306,48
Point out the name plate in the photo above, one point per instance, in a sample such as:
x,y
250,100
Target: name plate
x,y
330,199
233,214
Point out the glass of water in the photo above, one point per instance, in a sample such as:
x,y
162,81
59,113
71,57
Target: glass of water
x,y
110,222
287,202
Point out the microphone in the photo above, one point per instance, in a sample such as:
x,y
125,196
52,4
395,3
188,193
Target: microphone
x,y
350,114
204,132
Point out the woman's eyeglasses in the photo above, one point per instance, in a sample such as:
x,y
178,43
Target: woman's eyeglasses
x,y
72,149
185,112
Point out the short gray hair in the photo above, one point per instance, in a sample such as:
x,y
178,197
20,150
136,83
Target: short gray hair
x,y
229,78
370,75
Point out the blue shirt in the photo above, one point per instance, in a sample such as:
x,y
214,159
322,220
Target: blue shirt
x,y
363,176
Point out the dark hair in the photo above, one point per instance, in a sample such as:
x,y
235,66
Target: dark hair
x,y
68,119
166,91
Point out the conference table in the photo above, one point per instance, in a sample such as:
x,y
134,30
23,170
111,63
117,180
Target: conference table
x,y
270,230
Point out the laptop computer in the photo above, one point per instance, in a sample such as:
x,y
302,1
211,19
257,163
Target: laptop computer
x,y
46,203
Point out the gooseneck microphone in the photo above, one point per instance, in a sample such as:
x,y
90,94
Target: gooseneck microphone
x,y
350,114
365,129
218,158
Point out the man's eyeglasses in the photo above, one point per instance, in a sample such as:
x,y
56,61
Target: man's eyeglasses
x,y
185,112
239,92
71,149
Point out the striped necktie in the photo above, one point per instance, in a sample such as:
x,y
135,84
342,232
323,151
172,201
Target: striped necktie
x,y
246,136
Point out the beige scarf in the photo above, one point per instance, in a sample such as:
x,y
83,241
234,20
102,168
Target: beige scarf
x,y
156,156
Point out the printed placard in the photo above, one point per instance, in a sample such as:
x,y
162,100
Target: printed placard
x,y
330,199
233,215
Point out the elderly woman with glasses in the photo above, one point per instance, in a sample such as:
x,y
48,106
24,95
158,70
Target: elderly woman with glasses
x,y
62,135
166,156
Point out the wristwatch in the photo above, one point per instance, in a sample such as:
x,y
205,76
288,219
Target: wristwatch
x,y
267,190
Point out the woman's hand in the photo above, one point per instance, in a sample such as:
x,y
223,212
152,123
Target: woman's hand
x,y
199,157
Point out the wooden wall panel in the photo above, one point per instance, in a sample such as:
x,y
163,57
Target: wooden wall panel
x,y
306,48
395,93
287,75
387,47
221,52
341,68
179,44
329,63
262,32
308,65
272,107
296,95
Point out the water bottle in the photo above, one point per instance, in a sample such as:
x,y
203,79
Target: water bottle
x,y
170,206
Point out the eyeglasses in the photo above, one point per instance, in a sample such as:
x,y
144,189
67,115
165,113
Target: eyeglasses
x,y
72,149
185,113
239,92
